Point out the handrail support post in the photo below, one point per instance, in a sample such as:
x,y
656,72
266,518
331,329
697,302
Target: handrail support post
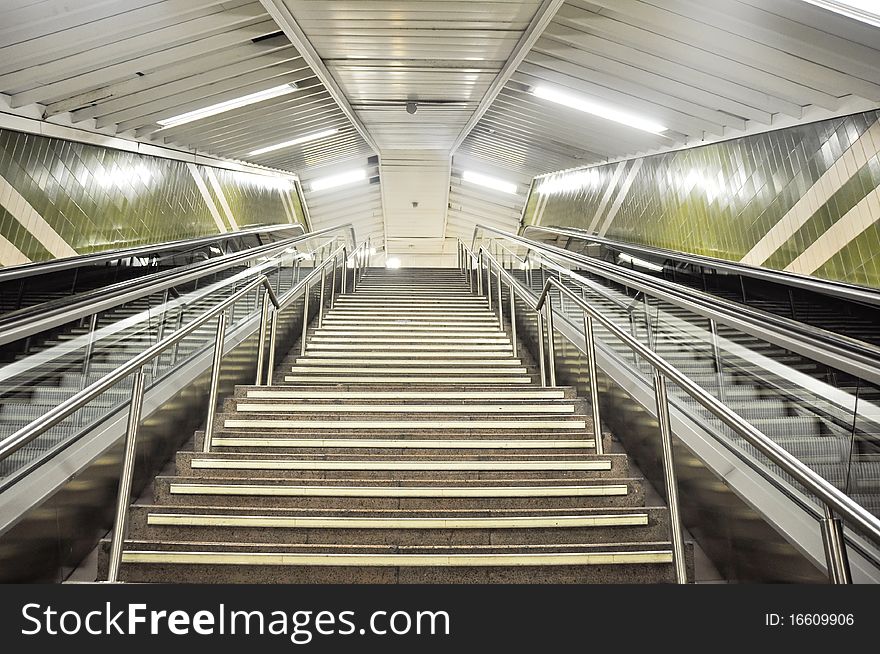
x,y
551,340
261,337
662,400
590,342
120,523
214,388
834,543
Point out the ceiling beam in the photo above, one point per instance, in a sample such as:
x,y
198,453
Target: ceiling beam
x,y
278,10
542,18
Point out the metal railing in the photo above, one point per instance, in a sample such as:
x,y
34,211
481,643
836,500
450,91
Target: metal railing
x,y
271,307
838,507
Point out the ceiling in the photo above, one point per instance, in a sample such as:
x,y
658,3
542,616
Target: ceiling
x,y
705,69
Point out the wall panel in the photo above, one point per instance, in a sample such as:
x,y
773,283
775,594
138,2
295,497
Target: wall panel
x,y
60,198
804,199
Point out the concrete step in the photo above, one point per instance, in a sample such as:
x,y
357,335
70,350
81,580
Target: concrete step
x,y
411,355
313,361
400,527
400,379
402,393
276,493
404,408
246,563
301,467
420,423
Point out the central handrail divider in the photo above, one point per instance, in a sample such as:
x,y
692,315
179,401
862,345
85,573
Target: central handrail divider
x,y
838,507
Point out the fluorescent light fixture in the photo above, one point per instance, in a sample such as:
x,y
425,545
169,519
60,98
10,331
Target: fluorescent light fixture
x,y
393,262
339,180
590,107
489,182
229,105
287,144
638,263
867,11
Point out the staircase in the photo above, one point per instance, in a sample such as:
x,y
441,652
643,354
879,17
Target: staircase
x,y
409,444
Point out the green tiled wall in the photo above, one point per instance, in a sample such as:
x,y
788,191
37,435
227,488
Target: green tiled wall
x,y
720,199
99,198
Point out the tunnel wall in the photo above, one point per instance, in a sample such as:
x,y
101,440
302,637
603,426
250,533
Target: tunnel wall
x,y
61,198
804,199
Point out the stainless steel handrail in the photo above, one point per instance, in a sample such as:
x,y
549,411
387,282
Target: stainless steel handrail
x,y
137,365
839,290
67,263
126,292
801,339
835,502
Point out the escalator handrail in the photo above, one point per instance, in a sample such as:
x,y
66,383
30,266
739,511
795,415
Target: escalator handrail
x,y
86,304
838,290
25,270
854,357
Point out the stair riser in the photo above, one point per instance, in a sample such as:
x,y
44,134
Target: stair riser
x,y
596,574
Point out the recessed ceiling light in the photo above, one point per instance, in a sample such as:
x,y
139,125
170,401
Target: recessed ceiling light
x,y
489,182
603,111
338,180
228,105
867,11
286,144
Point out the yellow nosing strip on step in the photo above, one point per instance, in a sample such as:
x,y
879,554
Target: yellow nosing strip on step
x,y
403,380
293,394
413,341
235,423
404,335
421,370
292,464
423,347
362,329
299,522
399,560
607,490
409,408
316,361
475,444
392,354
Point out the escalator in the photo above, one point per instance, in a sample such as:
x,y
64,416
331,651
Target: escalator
x,y
845,309
65,356
812,391
35,286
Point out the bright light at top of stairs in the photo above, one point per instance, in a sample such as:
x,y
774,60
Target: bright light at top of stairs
x,y
393,262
